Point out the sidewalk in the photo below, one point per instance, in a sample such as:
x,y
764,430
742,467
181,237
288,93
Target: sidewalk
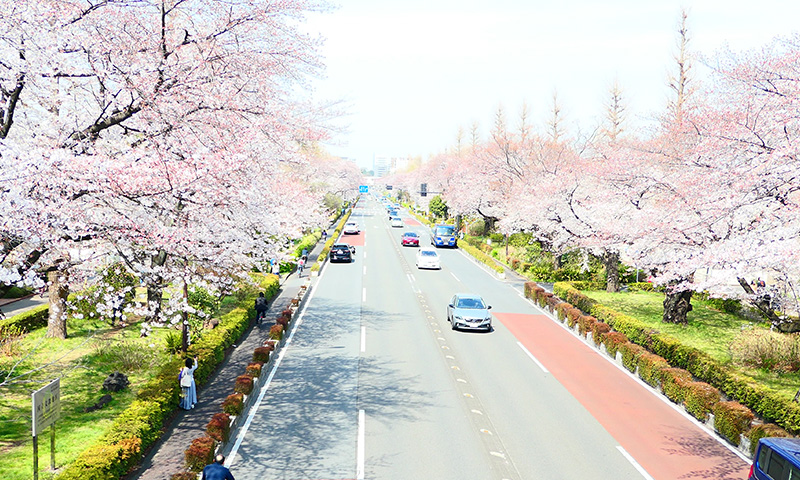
x,y
11,307
166,457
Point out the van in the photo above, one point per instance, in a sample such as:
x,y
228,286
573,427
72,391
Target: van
x,y
776,458
443,235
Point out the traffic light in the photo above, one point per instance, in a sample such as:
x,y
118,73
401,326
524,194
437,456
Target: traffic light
x,y
423,189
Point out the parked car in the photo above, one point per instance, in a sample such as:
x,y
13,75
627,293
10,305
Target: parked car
x,y
776,458
396,222
410,238
392,212
351,228
341,252
427,257
469,311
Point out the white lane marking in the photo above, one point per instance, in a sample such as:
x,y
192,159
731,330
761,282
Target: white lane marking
x,y
365,269
360,451
634,463
364,294
365,254
410,278
527,352
265,387
454,276
363,339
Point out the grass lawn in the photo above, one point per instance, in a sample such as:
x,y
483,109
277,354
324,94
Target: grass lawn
x,y
92,351
708,330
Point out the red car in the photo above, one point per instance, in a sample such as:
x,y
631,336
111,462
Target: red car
x,y
410,238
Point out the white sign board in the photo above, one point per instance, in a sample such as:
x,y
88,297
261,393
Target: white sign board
x,y
46,406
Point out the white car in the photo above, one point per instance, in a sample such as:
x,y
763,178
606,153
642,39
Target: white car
x,y
396,222
351,228
427,257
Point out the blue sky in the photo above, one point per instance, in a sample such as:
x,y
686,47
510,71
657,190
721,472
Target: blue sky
x,y
410,73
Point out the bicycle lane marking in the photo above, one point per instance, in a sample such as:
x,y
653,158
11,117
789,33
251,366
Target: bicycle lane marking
x,y
665,443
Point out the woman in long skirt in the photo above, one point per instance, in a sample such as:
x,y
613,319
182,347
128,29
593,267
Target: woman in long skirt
x,y
188,387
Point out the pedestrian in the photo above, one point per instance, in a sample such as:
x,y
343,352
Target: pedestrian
x,y
217,470
188,387
324,235
305,253
300,264
261,307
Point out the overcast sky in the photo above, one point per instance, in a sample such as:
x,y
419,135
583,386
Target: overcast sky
x,y
410,72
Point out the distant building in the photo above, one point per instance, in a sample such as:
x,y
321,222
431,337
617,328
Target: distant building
x,y
381,166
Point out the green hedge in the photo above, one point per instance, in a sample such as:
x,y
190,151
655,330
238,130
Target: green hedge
x,y
766,403
26,321
731,420
139,426
479,255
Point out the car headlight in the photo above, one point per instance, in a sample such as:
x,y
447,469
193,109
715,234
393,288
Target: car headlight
x,y
457,317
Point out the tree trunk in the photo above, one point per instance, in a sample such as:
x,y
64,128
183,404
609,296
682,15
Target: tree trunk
x,y
611,262
762,303
155,287
58,291
676,306
556,261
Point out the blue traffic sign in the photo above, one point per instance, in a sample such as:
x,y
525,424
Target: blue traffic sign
x,y
363,188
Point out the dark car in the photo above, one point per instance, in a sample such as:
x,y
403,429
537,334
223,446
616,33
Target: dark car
x,y
341,252
410,238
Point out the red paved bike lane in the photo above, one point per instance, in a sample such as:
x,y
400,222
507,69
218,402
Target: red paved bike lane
x,y
665,443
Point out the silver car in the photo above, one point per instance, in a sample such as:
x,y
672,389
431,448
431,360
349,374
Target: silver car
x,y
470,312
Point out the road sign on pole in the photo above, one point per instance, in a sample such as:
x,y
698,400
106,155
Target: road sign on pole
x,y
363,189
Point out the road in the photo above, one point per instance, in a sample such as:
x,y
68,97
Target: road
x,y
373,384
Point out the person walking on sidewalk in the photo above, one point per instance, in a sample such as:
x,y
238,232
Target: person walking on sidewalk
x,y
261,307
188,387
217,471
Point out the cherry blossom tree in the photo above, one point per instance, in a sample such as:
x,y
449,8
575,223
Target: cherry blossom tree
x,y
168,133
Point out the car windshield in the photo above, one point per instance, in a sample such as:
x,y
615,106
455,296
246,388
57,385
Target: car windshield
x,y
470,303
445,230
341,247
410,234
427,253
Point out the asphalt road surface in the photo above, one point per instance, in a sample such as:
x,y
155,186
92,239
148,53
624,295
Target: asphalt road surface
x,y
374,384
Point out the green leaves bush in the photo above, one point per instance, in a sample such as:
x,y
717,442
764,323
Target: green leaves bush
x,y
200,453
732,419
26,321
700,399
482,257
233,404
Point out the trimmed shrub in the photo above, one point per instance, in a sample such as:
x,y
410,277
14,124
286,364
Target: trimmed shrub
x,y
219,427
599,332
572,316
650,368
585,323
732,419
199,454
764,430
561,311
641,286
26,321
674,382
276,332
254,369
104,462
630,355
261,354
552,301
700,399
482,257
243,384
233,404
612,341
